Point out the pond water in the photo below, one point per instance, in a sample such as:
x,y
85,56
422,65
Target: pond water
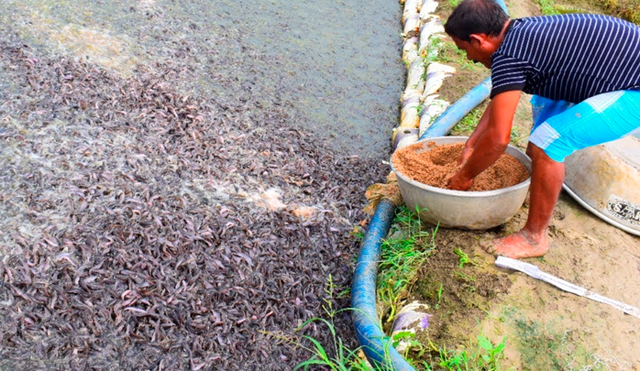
x,y
333,67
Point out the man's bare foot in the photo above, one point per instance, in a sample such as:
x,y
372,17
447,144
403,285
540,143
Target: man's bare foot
x,y
516,246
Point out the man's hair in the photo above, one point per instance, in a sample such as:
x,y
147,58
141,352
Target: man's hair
x,y
475,17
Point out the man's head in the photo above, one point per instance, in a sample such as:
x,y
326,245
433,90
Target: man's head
x,y
476,27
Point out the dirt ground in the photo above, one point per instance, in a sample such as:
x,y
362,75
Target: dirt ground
x,y
546,328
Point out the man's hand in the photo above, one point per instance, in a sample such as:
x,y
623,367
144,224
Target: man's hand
x,y
458,182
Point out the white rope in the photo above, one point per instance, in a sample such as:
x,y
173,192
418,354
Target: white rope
x,y
535,272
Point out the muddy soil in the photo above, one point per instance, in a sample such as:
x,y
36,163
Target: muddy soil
x,y
545,328
436,164
458,292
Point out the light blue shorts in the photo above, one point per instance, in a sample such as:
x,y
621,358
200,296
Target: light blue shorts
x,y
561,128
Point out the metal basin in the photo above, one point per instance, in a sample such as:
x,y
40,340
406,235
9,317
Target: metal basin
x,y
604,179
466,210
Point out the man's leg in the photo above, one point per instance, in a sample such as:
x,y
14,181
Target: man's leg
x,y
597,120
542,109
546,182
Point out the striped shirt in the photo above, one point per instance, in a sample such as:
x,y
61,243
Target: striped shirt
x,y
567,57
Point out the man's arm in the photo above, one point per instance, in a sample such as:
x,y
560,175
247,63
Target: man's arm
x,y
470,145
491,141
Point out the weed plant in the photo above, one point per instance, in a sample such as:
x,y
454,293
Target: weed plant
x,y
338,357
407,248
547,7
468,123
454,3
464,258
485,357
440,291
451,54
431,54
625,9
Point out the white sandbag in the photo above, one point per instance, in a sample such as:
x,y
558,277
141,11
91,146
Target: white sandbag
x,y
410,9
409,102
411,118
427,8
407,140
411,24
411,318
412,55
409,50
431,108
403,137
432,26
436,73
415,76
408,95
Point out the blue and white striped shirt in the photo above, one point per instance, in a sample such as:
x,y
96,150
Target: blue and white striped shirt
x,y
567,57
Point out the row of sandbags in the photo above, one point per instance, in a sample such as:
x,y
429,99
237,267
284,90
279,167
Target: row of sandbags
x,y
420,104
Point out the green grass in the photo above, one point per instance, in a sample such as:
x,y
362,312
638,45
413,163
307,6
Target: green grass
x,y
465,277
432,54
342,358
407,248
451,54
440,291
568,9
468,123
336,356
562,351
454,3
485,356
547,7
563,348
625,9
414,348
433,50
515,135
464,258
358,233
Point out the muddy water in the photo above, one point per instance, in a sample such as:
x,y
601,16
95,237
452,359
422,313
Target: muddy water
x,y
332,66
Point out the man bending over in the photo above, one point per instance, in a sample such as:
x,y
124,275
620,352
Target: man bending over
x,y
583,71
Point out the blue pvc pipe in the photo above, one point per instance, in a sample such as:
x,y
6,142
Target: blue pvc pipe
x,y
375,344
445,122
